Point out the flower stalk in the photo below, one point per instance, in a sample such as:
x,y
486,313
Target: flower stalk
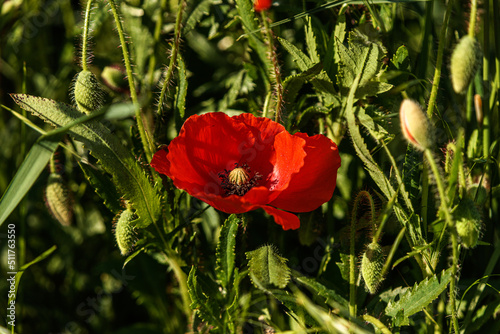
x,y
147,141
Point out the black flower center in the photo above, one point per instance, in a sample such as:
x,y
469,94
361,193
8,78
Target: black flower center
x,y
239,180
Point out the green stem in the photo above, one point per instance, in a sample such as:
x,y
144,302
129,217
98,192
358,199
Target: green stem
x,y
173,56
445,208
173,260
85,37
439,60
377,323
472,20
156,37
147,141
275,70
352,252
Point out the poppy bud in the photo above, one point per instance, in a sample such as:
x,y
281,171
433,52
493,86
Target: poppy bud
x,y
465,60
260,5
88,92
372,263
125,232
415,125
468,222
58,199
114,78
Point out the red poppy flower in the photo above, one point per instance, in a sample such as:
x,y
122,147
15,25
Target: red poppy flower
x,y
243,163
260,5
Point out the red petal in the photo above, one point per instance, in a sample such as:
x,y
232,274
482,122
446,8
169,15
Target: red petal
x,y
289,159
287,220
260,5
316,181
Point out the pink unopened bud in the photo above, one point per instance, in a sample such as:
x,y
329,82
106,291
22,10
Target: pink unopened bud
x,y
415,125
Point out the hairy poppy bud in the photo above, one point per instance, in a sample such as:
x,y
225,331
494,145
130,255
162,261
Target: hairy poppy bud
x,y
468,222
260,5
125,232
58,199
415,125
88,92
465,61
372,263
267,268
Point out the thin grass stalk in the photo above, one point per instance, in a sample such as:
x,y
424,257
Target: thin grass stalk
x,y
173,56
147,141
439,61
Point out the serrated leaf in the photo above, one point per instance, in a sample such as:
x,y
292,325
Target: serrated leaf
x,y
456,168
115,159
293,83
248,19
414,300
201,9
411,171
200,300
267,268
225,251
300,58
103,186
312,48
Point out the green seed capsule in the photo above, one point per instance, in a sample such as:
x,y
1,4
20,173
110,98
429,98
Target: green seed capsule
x,y
468,222
465,61
371,266
88,92
58,199
124,231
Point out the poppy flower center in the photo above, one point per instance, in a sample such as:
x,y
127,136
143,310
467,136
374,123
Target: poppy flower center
x,y
239,180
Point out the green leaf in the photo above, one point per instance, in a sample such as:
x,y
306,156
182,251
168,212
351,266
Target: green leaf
x,y
300,58
115,158
268,268
201,9
414,300
312,48
319,289
456,168
201,300
248,19
225,251
293,83
103,186
29,171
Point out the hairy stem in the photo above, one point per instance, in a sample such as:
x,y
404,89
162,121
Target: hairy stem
x,y
173,56
275,70
147,141
85,37
439,60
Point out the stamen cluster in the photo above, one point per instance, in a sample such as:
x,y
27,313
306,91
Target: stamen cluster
x,y
238,180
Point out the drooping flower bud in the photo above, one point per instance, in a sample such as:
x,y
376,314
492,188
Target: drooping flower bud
x,y
124,231
267,268
372,263
88,92
415,125
260,5
468,222
465,60
58,199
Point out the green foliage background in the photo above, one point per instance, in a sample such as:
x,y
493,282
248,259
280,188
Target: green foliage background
x,y
190,271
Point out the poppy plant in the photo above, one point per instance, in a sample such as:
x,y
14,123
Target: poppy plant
x,y
243,163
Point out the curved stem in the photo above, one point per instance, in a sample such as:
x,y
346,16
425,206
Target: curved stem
x,y
85,37
147,142
173,56
439,60
472,20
